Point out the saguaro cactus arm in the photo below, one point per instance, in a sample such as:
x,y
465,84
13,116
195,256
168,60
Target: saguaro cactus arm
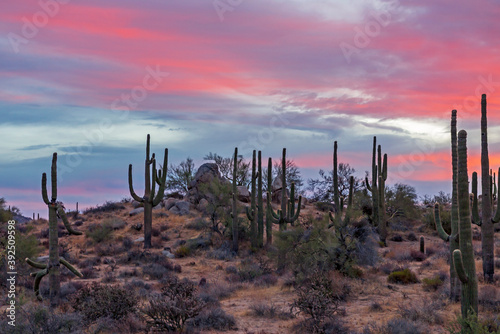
x,y
459,266
38,278
476,219
437,219
70,267
45,197
163,174
131,186
64,218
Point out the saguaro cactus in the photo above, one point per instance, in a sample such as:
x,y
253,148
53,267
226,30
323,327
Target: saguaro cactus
x,y
487,221
234,213
337,199
463,258
453,237
379,176
269,216
255,213
52,267
288,213
150,198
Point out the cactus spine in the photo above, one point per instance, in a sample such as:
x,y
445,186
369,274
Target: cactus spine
x,y
255,214
150,199
288,213
234,213
52,268
463,258
379,176
488,190
453,237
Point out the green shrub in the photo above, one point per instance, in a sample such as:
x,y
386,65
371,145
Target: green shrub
x,y
99,232
432,284
405,276
97,301
473,325
182,251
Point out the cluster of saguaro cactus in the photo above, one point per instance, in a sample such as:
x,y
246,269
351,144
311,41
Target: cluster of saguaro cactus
x,y
337,199
150,198
463,258
488,189
52,267
377,188
234,213
452,238
288,213
256,211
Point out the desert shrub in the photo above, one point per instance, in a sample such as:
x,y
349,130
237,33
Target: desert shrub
x,y
106,207
182,251
375,306
231,270
69,288
425,310
127,243
266,280
318,299
397,238
417,255
155,270
213,319
99,232
411,237
271,311
405,276
176,304
473,325
26,247
224,252
107,249
96,301
41,320
128,324
114,222
401,325
304,250
213,292
489,297
155,232
88,273
432,284
198,224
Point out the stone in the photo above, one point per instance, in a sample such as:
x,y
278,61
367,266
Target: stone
x,y
203,205
168,254
183,207
136,204
136,211
169,203
205,174
175,210
140,239
243,194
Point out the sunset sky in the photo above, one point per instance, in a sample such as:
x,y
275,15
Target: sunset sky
x,y
90,79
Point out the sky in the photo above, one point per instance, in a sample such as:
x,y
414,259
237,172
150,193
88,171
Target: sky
x,y
90,79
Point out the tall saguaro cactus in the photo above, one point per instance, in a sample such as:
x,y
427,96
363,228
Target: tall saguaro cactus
x,y
150,198
487,219
269,216
255,213
379,176
234,213
339,203
52,268
453,237
463,258
288,213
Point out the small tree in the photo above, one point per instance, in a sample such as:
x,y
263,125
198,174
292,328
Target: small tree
x,y
179,177
226,168
322,188
401,200
292,174
218,209
177,303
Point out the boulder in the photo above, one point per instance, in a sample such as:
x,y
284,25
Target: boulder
x,y
243,194
183,207
169,203
136,204
205,174
175,210
136,211
203,205
140,239
168,254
